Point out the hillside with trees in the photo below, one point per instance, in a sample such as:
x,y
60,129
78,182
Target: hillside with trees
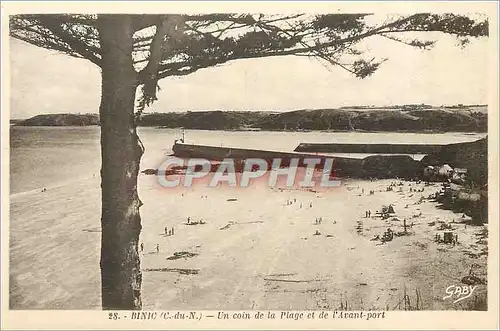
x,y
60,120
344,119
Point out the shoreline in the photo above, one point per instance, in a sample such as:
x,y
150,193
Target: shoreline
x,y
268,130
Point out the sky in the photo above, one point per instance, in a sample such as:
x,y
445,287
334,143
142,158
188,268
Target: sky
x,y
44,81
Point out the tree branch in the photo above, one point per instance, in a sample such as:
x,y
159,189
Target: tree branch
x,y
192,67
170,28
76,44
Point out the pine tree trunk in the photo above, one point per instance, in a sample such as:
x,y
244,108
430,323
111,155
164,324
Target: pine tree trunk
x,y
121,152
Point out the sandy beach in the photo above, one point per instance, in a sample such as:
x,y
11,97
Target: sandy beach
x,y
252,252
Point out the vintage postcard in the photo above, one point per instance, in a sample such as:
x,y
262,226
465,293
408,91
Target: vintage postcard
x,y
250,165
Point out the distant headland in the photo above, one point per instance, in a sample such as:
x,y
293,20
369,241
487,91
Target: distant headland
x,y
409,118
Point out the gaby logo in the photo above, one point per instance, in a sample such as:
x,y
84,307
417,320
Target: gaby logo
x,y
459,293
291,172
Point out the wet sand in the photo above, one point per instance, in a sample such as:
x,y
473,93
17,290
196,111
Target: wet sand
x,y
255,252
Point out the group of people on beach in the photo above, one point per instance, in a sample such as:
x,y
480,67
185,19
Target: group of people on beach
x,y
372,192
157,248
291,202
169,232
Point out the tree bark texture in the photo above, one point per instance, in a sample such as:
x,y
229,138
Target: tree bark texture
x,y
121,152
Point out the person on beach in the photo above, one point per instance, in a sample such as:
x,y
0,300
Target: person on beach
x,y
157,248
301,205
142,247
172,231
390,234
189,219
166,230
